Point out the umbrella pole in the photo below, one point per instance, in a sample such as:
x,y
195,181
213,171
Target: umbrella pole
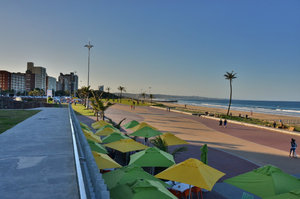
x,y
152,170
190,192
126,158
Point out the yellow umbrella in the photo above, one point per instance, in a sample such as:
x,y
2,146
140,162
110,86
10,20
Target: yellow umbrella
x,y
106,131
126,145
141,125
170,139
92,137
86,131
99,124
83,125
192,172
103,161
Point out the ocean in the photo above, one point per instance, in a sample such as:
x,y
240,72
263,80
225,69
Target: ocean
x,y
288,108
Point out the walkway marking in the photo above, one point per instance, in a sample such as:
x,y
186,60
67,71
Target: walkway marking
x,y
26,162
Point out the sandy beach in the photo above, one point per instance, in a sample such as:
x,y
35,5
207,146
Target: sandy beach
x,y
261,116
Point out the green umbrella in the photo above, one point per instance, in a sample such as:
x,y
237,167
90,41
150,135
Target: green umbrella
x,y
128,174
152,157
114,137
131,124
204,154
295,194
107,126
265,181
141,189
97,147
146,132
84,126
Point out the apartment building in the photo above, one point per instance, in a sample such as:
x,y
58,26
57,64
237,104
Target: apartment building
x,y
5,80
40,75
51,83
68,82
18,82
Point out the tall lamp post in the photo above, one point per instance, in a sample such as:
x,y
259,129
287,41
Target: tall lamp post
x,y
89,46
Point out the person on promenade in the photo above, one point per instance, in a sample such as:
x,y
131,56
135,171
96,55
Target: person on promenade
x,y
220,122
274,124
293,148
225,123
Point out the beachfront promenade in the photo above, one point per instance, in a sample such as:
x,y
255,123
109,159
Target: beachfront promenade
x,y
36,158
233,150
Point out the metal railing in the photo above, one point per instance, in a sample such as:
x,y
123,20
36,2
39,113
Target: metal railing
x,y
90,182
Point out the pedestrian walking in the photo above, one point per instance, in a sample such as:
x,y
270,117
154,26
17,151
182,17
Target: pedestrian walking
x,y
220,122
225,123
274,124
293,148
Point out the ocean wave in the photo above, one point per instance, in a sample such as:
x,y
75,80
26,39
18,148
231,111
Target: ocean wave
x,y
246,108
289,111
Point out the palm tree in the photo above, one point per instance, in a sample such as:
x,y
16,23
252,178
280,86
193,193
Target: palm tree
x,y
108,89
230,77
85,90
143,94
121,89
99,106
151,97
161,144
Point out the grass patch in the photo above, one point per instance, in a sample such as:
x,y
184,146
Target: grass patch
x,y
9,118
81,110
127,101
160,105
247,120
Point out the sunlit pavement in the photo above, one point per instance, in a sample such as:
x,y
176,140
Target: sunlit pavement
x,y
36,158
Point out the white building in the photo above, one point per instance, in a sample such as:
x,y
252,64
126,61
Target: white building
x,y
51,83
40,75
18,82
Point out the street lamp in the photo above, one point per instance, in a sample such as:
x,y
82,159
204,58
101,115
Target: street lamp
x,y
89,46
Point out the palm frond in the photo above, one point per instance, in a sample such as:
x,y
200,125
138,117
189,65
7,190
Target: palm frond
x,y
179,150
160,143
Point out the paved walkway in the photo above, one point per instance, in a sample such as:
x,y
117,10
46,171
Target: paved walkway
x,y
36,158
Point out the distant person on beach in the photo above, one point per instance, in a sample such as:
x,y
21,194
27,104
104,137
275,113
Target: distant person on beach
x,y
225,123
220,122
293,148
274,124
133,106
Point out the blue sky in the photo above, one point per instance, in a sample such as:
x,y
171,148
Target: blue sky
x,y
172,46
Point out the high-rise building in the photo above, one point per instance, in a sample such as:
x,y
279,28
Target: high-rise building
x,y
51,83
69,82
18,82
5,80
40,75
58,86
29,81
